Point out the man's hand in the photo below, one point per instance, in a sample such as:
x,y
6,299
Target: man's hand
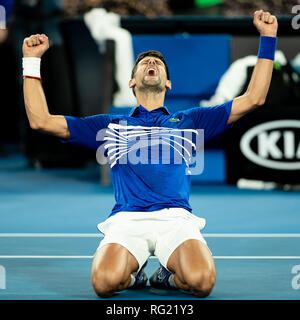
x,y
265,23
35,46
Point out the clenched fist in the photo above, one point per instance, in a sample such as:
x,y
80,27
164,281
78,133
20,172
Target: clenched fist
x,y
265,23
35,46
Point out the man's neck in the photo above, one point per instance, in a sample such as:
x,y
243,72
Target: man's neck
x,y
150,101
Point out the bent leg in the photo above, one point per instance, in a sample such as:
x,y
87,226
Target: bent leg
x,y
193,267
111,269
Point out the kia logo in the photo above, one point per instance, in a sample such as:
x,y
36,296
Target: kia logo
x,y
277,140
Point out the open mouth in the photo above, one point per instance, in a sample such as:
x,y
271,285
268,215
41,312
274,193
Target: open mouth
x,y
151,72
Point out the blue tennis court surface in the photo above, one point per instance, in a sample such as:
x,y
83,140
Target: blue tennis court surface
x,y
48,236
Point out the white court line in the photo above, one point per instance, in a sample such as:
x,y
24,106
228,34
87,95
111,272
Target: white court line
x,y
257,257
90,257
41,235
208,235
212,235
46,257
252,235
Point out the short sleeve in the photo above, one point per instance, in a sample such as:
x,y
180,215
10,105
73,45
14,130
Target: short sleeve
x,y
212,119
83,131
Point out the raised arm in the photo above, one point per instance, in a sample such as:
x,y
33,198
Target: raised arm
x,y
258,87
35,101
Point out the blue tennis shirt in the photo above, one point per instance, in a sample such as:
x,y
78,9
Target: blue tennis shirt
x,y
148,184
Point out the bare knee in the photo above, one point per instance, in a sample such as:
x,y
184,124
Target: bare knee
x,y
106,282
111,269
201,283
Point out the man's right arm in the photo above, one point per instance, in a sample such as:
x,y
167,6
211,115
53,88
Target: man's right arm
x,y
35,101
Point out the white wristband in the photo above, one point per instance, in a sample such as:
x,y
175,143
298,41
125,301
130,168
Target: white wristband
x,y
32,67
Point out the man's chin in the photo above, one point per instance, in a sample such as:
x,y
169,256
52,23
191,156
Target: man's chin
x,y
151,79
151,88
151,83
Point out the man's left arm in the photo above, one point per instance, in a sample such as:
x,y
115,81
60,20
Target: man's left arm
x,y
258,87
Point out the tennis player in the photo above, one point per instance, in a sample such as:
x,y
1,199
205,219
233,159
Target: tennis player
x,y
152,214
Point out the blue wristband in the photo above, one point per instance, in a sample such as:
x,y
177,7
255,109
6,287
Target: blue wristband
x,y
267,47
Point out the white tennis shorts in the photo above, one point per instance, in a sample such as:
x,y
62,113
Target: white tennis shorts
x,y
156,233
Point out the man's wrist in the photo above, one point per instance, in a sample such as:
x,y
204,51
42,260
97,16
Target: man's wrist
x,y
268,34
31,56
31,67
267,47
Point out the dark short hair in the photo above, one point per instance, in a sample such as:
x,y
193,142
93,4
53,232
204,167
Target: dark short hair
x,y
150,53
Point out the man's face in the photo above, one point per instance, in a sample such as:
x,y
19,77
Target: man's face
x,y
150,75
